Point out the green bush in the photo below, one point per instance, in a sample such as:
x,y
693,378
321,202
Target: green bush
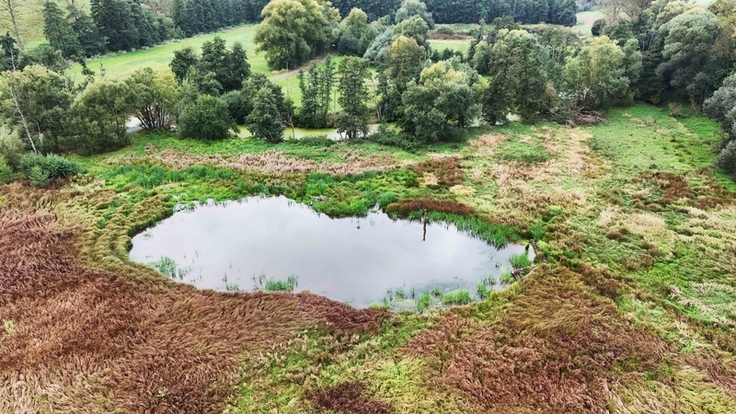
x,y
727,158
11,146
446,30
208,119
314,141
389,137
6,173
235,105
41,169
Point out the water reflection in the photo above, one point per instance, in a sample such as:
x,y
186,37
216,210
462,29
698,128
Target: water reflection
x,y
355,260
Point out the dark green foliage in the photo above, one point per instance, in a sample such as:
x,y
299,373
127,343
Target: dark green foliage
x,y
314,141
688,63
518,81
10,53
59,31
90,40
43,99
353,120
439,107
235,105
316,87
208,119
394,138
727,158
598,27
43,55
231,68
183,61
217,70
466,11
41,169
98,118
6,173
265,121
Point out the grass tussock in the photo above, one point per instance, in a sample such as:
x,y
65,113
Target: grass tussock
x,y
405,207
440,172
346,398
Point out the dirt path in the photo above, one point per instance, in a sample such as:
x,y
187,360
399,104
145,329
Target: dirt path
x,y
295,72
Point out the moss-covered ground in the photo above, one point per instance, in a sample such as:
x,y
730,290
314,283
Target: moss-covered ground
x,y
633,311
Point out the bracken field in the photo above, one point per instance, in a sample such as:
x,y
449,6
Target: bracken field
x,y
632,312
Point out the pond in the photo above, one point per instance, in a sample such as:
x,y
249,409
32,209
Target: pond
x,y
243,245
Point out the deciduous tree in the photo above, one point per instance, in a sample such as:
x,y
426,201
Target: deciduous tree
x,y
353,95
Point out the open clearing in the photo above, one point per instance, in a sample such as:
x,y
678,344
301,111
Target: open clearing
x,y
633,313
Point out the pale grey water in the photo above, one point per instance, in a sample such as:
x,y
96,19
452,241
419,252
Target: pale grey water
x,y
353,260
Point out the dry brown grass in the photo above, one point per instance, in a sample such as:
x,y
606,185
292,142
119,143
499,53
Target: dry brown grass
x,y
346,398
268,162
87,340
440,172
554,350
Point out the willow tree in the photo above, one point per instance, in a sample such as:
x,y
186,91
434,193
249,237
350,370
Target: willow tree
x,y
294,31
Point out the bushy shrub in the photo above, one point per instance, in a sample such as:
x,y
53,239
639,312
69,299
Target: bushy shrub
x,y
42,169
727,158
235,105
446,30
208,119
11,146
393,138
6,173
314,141
598,26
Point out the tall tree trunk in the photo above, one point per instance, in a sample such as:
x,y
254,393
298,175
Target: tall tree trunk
x,y
22,118
11,9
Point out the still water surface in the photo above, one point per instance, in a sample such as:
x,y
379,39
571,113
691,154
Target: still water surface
x,y
353,260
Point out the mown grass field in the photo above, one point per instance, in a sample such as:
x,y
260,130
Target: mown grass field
x,y
633,312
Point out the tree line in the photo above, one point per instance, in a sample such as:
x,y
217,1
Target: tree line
x,y
123,25
673,50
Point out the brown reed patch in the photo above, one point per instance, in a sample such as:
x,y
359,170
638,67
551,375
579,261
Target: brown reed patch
x,y
86,340
346,398
268,162
553,351
405,207
445,171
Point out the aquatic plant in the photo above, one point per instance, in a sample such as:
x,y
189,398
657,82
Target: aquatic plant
x,y
520,260
507,277
400,294
488,280
436,292
167,266
288,285
423,302
459,297
482,290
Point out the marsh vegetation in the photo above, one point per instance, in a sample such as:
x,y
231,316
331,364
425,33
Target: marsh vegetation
x,y
610,154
